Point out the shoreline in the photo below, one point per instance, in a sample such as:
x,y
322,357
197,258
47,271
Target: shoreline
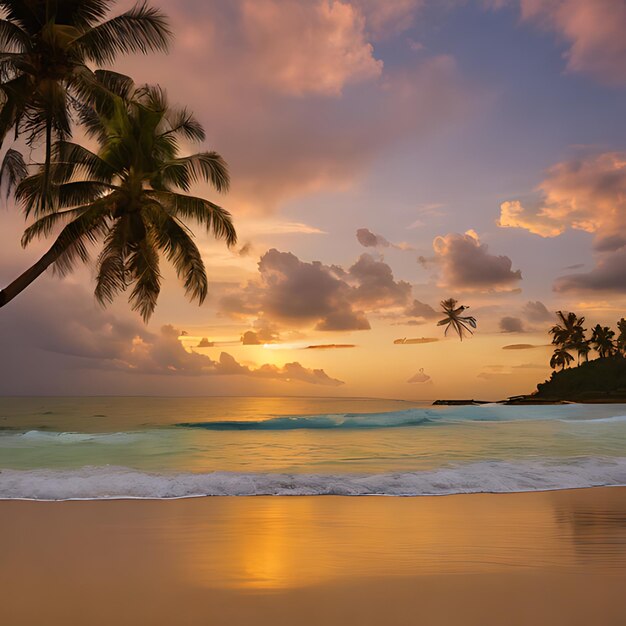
x,y
299,495
553,558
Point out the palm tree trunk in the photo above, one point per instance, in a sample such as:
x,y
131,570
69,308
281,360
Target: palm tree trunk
x,y
25,279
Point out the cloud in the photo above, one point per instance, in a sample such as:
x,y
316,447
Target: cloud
x,y
510,324
389,17
588,194
610,243
330,346
421,309
57,327
593,30
420,377
205,343
309,68
376,287
415,341
467,264
609,275
228,366
369,240
314,47
536,312
520,346
294,293
264,333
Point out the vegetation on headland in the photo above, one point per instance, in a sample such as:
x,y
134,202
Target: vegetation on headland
x,y
577,378
132,195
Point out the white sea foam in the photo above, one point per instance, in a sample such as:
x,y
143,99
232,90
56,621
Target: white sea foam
x,y
480,477
9,439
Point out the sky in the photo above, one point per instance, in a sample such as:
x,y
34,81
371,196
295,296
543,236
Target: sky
x,y
384,156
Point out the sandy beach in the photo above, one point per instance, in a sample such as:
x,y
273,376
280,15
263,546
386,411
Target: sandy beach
x,y
553,558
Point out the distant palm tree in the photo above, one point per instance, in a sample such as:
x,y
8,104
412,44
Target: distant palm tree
x,y
568,330
621,338
128,195
602,340
561,358
583,348
46,48
454,318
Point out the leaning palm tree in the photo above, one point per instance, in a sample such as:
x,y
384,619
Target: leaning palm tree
x,y
454,319
46,48
602,340
561,358
131,195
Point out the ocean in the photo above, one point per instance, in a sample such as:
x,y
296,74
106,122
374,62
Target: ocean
x,y
103,448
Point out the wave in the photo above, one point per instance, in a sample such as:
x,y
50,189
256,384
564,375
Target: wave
x,y
317,422
10,438
396,419
95,483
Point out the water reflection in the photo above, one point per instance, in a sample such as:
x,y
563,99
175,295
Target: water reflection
x,y
596,527
280,543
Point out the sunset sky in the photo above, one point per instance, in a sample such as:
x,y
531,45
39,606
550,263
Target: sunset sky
x,y
384,156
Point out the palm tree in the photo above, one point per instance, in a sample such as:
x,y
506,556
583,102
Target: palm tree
x,y
602,340
128,195
453,318
569,330
621,338
583,348
46,47
561,358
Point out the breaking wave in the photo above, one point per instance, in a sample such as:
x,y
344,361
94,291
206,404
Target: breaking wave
x,y
95,483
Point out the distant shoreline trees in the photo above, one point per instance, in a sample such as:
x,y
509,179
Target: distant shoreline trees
x,y
569,335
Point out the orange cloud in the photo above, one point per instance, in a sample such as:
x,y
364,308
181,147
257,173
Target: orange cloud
x,y
418,340
588,194
331,346
312,47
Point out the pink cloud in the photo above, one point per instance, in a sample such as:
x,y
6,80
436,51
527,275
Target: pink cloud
x,y
592,29
588,194
299,104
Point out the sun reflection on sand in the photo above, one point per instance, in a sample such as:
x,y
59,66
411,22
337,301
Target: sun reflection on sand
x,y
278,543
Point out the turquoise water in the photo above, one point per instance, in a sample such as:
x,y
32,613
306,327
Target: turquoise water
x,y
58,448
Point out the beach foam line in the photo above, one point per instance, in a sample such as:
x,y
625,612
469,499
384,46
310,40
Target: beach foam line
x,y
96,483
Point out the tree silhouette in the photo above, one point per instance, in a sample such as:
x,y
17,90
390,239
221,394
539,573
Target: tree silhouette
x,y
602,340
47,48
130,195
454,319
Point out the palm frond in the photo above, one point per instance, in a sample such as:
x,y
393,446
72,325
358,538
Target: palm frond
x,y
112,274
181,251
13,38
12,171
183,122
73,241
202,167
143,266
142,29
207,214
46,224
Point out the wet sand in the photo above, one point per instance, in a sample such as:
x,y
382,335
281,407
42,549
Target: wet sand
x,y
556,558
